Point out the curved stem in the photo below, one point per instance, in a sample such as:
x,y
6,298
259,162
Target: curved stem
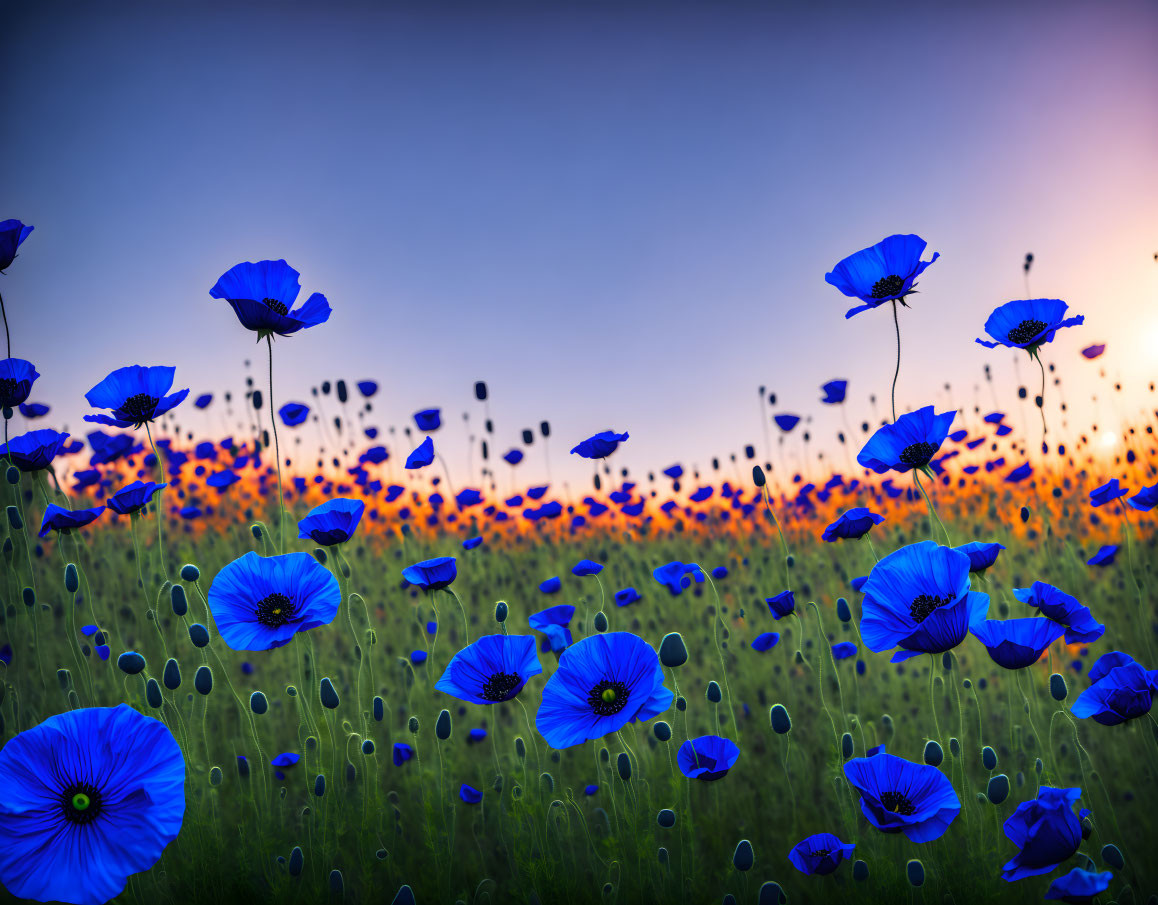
x,y
7,337
897,372
932,508
160,504
1041,400
276,452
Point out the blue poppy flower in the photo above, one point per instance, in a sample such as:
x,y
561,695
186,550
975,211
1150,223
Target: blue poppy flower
x,y
402,753
260,603
492,669
1079,887
881,273
422,455
475,735
554,622
262,293
603,683
1105,555
1081,627
674,576
367,388
293,413
599,446
1027,323
1046,830
203,400
16,379
432,574
707,758
471,542
981,555
12,234
91,796
897,795
765,641
834,392
219,480
469,794
820,854
1107,493
136,395
918,599
285,759
133,497
783,604
586,567
468,497
34,450
627,596
843,650
333,522
428,419
109,447
57,518
909,442
786,422
1145,499
513,456
551,585
1017,643
853,524
32,410
1122,690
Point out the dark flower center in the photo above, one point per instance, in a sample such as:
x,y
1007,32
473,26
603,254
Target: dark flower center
x,y
499,686
923,605
7,387
1025,332
275,610
918,454
608,697
821,852
81,803
139,408
277,306
897,803
886,286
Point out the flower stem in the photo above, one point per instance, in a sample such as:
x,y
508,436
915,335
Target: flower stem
x,y
160,503
276,452
897,372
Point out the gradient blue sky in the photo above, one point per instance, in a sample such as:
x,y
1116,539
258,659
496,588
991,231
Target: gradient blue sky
x,y
619,215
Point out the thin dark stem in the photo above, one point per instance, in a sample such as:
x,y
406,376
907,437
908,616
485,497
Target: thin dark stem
x,y
897,372
160,504
276,452
5,314
1041,400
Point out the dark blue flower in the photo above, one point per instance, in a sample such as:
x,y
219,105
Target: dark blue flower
x,y
603,683
32,410
820,854
219,480
843,650
1046,830
136,395
492,669
34,450
909,442
203,400
551,585
432,574
1145,499
897,795
422,455
1017,643
469,794
285,759
333,522
627,596
293,413
471,542
586,567
918,599
765,641
834,392
109,447
428,420
853,524
262,294
133,497
599,446
786,422
554,622
16,379
881,272
12,233
91,796
1079,887
981,555
1027,323
513,456
707,758
1107,493
468,497
1105,556
1081,627
57,518
673,576
367,388
261,602
783,604
1122,690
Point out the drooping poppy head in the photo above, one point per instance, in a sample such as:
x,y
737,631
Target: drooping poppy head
x,y
707,758
1017,643
12,234
16,379
57,518
853,524
432,574
1046,830
333,522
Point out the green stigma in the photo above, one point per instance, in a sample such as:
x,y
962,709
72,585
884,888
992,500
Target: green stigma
x,y
608,695
80,801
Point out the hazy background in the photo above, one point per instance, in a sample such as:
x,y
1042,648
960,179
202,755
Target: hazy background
x,y
617,217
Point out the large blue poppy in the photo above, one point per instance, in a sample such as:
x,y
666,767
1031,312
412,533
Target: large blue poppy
x,y
918,599
333,522
600,445
57,518
853,524
12,234
1079,887
899,796
707,758
432,574
262,294
1017,643
260,603
1145,499
820,854
603,683
133,497
16,379
1027,323
34,450
136,395
492,669
1122,690
1107,493
909,442
1046,830
555,623
1081,627
981,555
881,273
91,796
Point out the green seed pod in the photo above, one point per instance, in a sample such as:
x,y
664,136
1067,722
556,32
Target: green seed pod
x,y
501,611
412,725
846,747
1112,855
178,599
547,781
379,709
860,870
14,520
781,722
1057,687
843,613
29,597
319,785
215,776
887,722
520,748
758,476
172,675
71,579
681,704
1038,766
989,758
743,858
954,747
771,894
320,555
623,765
256,529
933,753
131,662
367,747
64,679
297,860
203,680
257,703
915,871
199,635
13,475
190,572
600,621
661,730
790,561
998,789
442,727
714,694
153,694
291,691
328,695
666,818
672,650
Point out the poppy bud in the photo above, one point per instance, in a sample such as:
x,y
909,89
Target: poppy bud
x,y
296,861
548,781
198,634
666,818
172,675
379,709
544,428
256,530
846,747
954,747
71,579
442,725
131,662
501,611
203,680
1057,687
758,476
153,694
600,621
623,765
520,747
190,572
381,854
178,599
413,725
915,871
681,704
998,789
933,753
13,475
29,596
714,693
989,758
661,730
1087,827
257,703
328,695
368,747
663,856
291,691
860,870
337,886
480,391
1112,856
781,722
257,400
672,650
743,857
342,394
842,611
